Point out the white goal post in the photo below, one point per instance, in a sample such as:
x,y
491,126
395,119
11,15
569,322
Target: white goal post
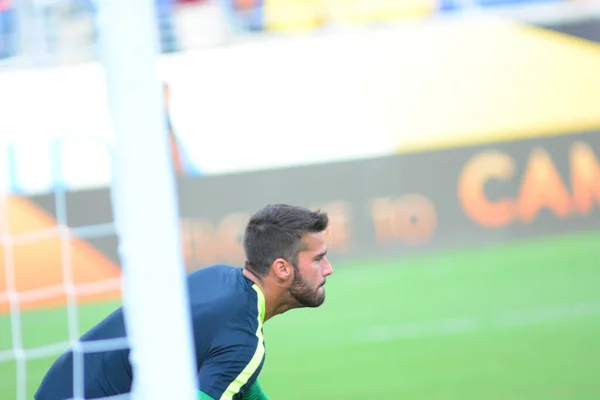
x,y
145,204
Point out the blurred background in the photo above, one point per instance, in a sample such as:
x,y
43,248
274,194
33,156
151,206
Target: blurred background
x,y
454,143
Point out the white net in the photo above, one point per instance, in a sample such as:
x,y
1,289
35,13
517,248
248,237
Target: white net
x,y
48,270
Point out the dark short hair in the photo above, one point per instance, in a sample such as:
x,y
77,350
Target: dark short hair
x,y
276,231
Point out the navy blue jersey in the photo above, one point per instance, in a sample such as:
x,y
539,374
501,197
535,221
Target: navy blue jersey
x,y
227,311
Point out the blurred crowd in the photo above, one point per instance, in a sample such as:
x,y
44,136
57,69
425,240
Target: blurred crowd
x,y
45,27
50,31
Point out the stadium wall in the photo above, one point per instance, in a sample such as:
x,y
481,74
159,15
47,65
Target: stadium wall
x,y
387,206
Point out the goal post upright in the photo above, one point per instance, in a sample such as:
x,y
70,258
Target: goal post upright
x,y
144,200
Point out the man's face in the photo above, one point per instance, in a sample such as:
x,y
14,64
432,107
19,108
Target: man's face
x,y
311,271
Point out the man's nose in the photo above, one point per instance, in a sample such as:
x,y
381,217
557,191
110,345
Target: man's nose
x,y
327,269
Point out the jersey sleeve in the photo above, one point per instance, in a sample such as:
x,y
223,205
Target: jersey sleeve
x,y
236,358
233,366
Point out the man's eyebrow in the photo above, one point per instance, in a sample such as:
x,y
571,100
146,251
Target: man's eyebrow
x,y
321,255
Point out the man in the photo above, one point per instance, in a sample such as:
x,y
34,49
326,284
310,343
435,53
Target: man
x,y
286,267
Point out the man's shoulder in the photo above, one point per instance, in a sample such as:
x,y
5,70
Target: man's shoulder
x,y
219,275
215,270
223,292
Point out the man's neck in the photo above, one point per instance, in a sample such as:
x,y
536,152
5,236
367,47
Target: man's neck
x,y
276,301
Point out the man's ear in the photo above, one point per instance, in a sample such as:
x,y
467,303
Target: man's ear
x,y
282,269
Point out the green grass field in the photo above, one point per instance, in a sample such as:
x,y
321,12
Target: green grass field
x,y
518,321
